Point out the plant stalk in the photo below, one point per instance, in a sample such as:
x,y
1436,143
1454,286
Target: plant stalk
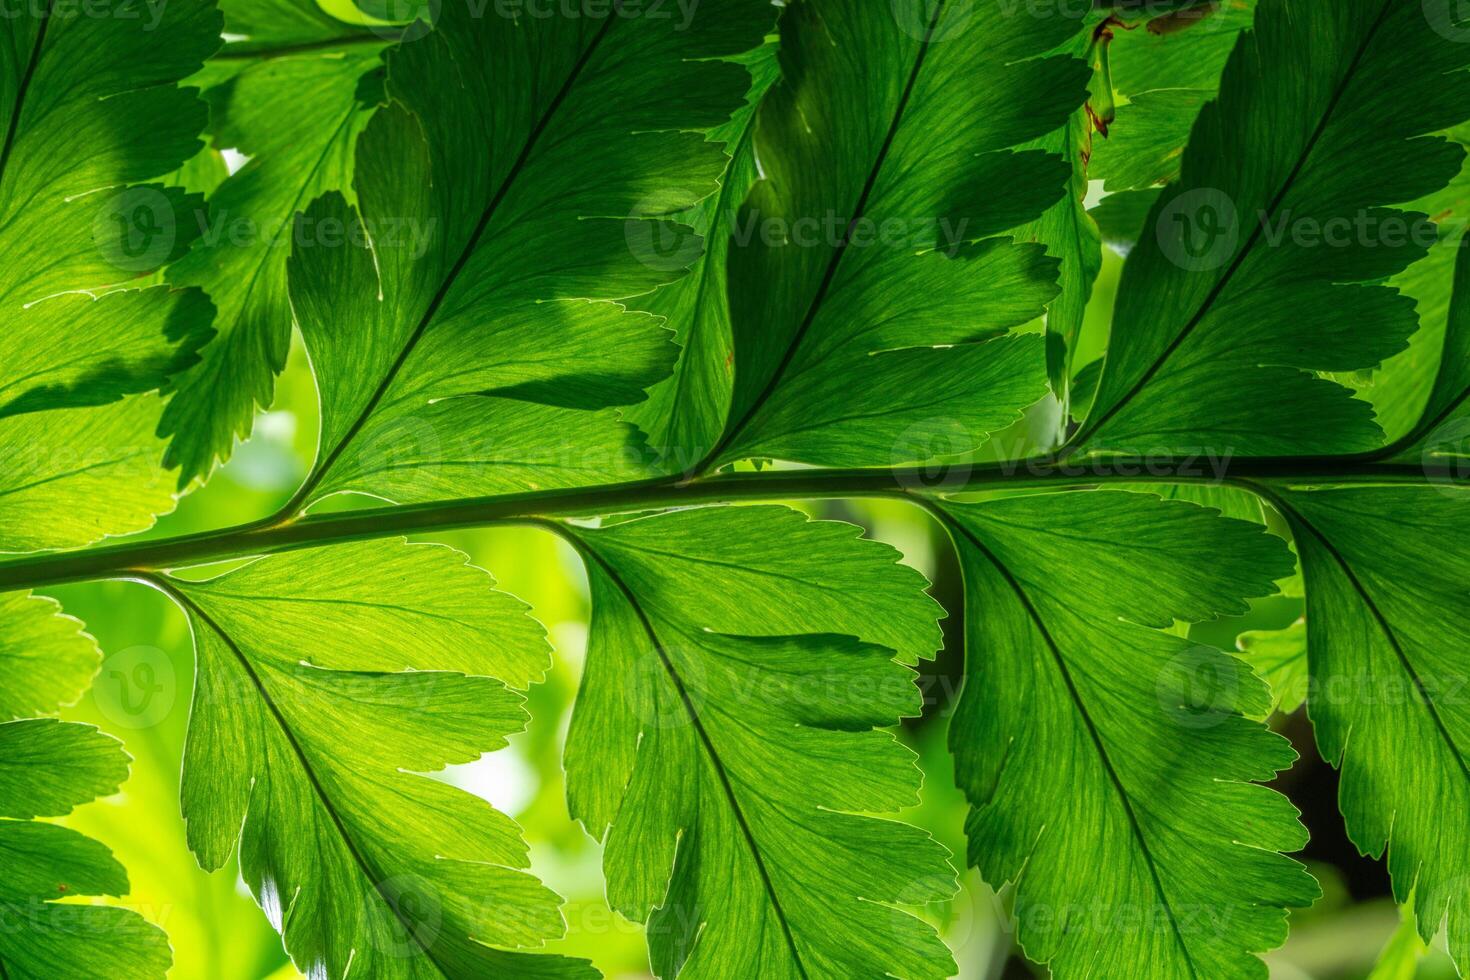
x,y
914,483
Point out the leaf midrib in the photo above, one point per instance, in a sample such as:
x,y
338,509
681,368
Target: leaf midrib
x,y
706,742
830,274
452,276
1217,291
1066,674
363,865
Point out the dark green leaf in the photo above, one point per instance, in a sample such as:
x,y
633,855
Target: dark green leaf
x,y
724,731
1109,763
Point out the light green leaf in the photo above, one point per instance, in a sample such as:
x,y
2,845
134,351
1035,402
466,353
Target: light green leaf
x,y
1257,267
1280,657
1109,763
1400,958
89,105
725,732
45,658
297,118
46,769
863,300
272,27
75,475
1443,430
468,320
327,683
1385,570
685,414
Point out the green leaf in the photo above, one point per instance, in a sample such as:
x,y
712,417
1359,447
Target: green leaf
x,y
685,414
1161,81
1385,572
1122,218
297,118
1109,763
862,296
1280,658
465,329
46,769
725,732
1400,958
328,682
73,476
1443,430
1070,235
46,659
1257,266
90,104
273,27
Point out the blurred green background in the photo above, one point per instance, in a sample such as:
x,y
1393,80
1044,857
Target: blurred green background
x,y
142,696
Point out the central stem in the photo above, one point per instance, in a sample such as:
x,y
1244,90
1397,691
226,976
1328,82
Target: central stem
x,y
128,559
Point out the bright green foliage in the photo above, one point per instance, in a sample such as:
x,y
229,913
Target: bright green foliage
x,y
46,769
1110,763
685,414
581,264
45,658
864,246
503,219
1280,658
1385,574
1444,428
297,117
87,107
326,682
729,745
1217,323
